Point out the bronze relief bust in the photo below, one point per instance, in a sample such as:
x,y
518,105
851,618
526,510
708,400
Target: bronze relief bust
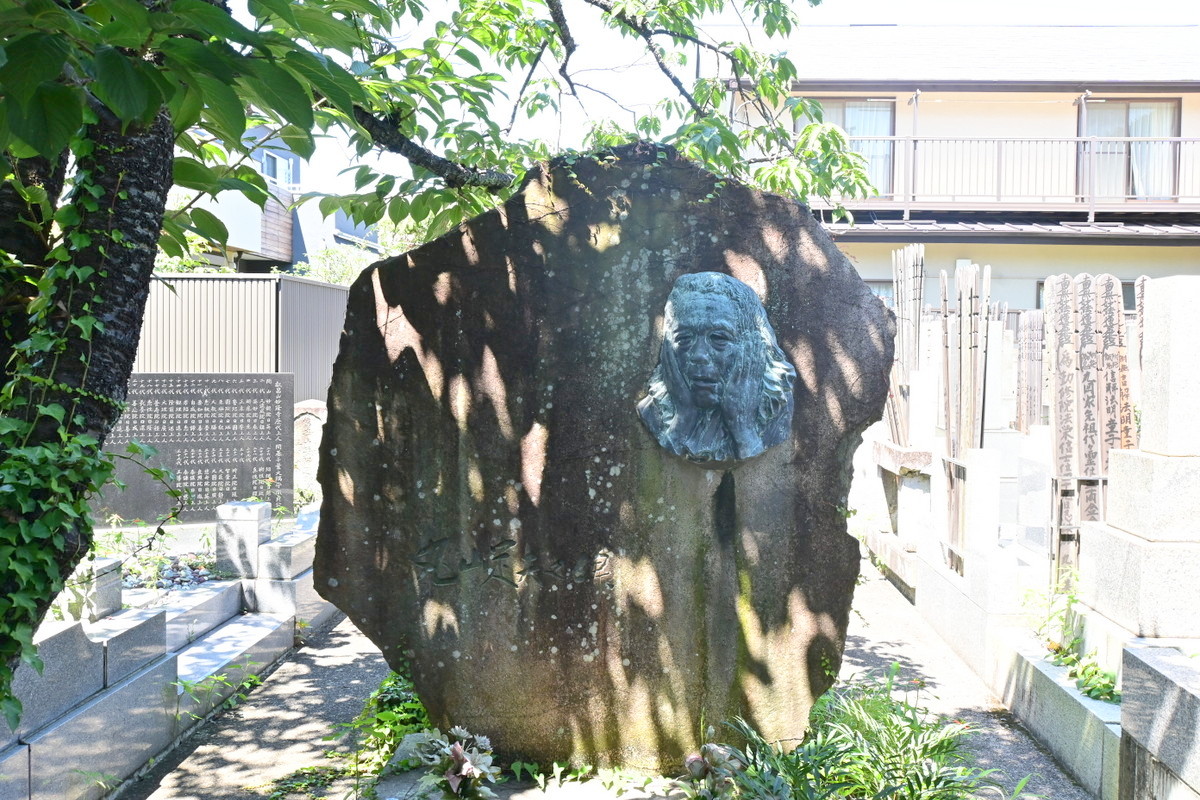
x,y
722,390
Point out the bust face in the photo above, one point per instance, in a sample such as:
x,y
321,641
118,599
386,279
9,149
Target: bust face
x,y
705,340
722,390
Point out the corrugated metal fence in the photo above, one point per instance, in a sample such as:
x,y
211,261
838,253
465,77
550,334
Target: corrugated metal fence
x,y
244,323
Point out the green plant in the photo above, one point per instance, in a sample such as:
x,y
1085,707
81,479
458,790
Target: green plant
x,y
459,762
206,691
391,712
1090,679
307,781
867,739
530,768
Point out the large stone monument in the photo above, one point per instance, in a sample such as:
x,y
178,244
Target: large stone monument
x,y
593,501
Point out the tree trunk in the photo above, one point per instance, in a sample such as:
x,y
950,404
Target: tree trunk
x,y
129,176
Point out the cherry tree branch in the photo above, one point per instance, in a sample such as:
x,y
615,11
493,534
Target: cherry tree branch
x,y
388,136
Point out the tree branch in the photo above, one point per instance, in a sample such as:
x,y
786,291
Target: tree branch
x,y
647,34
456,176
528,77
564,35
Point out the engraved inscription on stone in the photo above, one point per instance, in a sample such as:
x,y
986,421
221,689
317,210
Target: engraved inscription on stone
x,y
722,390
225,436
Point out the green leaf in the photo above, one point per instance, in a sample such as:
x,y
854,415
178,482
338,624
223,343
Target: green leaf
x,y
191,58
186,107
193,174
328,78
265,9
329,31
120,85
53,410
209,226
32,60
212,21
130,26
53,115
225,111
279,92
298,141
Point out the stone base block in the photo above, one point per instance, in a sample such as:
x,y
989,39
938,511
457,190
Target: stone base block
x,y
1147,587
286,556
1160,708
1083,734
1147,495
1143,776
131,639
295,598
73,672
1103,637
241,528
900,562
14,773
87,753
961,617
1171,372
211,669
200,610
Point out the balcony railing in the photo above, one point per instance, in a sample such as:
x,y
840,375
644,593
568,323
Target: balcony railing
x,y
1064,174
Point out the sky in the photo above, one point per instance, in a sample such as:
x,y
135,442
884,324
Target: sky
x,y
617,66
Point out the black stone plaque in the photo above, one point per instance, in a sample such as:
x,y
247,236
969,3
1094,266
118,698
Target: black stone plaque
x,y
226,436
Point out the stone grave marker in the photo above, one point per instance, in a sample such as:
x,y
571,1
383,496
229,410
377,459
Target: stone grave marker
x,y
587,457
226,436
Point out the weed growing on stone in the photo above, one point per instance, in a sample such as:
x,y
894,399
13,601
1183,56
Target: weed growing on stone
x,y
863,742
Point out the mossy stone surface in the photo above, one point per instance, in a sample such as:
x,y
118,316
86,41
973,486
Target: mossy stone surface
x,y
496,515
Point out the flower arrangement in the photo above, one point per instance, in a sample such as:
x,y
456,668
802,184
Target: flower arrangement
x,y
460,763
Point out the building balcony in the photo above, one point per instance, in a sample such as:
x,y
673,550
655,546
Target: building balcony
x,y
1077,174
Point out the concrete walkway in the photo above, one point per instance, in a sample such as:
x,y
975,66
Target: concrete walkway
x,y
280,727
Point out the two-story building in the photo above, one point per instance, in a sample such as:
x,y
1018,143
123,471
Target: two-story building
x,y
1035,149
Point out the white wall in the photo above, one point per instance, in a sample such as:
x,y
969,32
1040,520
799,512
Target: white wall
x,y
1016,268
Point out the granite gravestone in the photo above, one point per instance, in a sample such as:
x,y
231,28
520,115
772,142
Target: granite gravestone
x,y
225,436
500,511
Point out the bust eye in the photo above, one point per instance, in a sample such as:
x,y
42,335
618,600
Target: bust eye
x,y
720,339
682,339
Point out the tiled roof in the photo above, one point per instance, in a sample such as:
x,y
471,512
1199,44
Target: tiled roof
x,y
1095,232
996,54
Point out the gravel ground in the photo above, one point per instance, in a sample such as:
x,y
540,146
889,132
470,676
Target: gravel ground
x,y
886,629
282,726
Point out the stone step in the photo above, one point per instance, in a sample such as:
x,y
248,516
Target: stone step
x,y
212,668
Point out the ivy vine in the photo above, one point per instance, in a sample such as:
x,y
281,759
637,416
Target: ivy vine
x,y
50,464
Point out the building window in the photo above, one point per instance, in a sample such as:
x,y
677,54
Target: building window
x,y
869,124
276,168
884,290
1128,295
1126,166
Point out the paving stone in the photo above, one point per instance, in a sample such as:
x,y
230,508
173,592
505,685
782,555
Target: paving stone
x,y
107,739
131,639
246,645
241,527
1160,707
74,671
197,611
14,773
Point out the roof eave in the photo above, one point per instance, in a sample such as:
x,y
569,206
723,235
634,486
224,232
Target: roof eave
x,y
1015,237
1132,86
